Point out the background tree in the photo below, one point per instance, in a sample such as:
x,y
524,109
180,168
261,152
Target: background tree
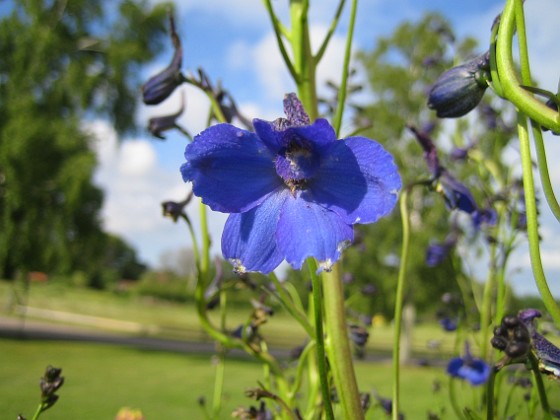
x,y
61,63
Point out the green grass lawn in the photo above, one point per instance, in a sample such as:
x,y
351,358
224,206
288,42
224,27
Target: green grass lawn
x,y
100,379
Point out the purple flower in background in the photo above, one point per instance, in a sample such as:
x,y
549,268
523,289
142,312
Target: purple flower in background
x,y
471,369
437,252
448,324
455,194
292,189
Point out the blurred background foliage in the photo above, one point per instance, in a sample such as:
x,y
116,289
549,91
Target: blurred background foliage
x,y
62,63
61,66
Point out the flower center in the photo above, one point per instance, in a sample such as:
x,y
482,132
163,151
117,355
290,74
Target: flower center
x,y
296,164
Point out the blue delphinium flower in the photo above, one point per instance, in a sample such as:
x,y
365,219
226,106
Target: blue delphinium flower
x,y
292,189
471,369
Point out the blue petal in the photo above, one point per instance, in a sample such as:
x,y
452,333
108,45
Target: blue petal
x,y
306,229
230,168
248,240
358,180
319,134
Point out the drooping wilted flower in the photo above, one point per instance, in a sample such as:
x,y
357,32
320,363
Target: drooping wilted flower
x,y
176,209
292,189
160,86
459,90
158,125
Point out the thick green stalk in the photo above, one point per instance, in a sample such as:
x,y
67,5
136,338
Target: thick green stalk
x,y
303,60
399,301
338,346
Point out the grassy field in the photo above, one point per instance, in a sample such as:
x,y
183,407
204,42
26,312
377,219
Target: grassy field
x,y
100,379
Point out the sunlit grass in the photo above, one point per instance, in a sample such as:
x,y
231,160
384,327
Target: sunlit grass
x,y
100,379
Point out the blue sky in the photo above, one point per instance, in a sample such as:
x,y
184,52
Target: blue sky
x,y
234,43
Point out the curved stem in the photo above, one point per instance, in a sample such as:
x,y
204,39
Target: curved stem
x,y
512,90
337,123
548,190
399,300
319,339
338,346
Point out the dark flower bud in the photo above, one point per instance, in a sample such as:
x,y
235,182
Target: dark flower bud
x,y
160,86
499,343
49,384
460,89
513,338
517,349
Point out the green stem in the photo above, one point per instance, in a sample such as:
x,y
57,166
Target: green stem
x,y
486,311
337,123
532,221
453,400
338,346
512,90
319,339
399,301
548,190
540,386
334,24
218,386
279,31
287,304
303,59
490,402
38,412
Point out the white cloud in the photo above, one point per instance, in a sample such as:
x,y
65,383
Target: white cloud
x,y
136,182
